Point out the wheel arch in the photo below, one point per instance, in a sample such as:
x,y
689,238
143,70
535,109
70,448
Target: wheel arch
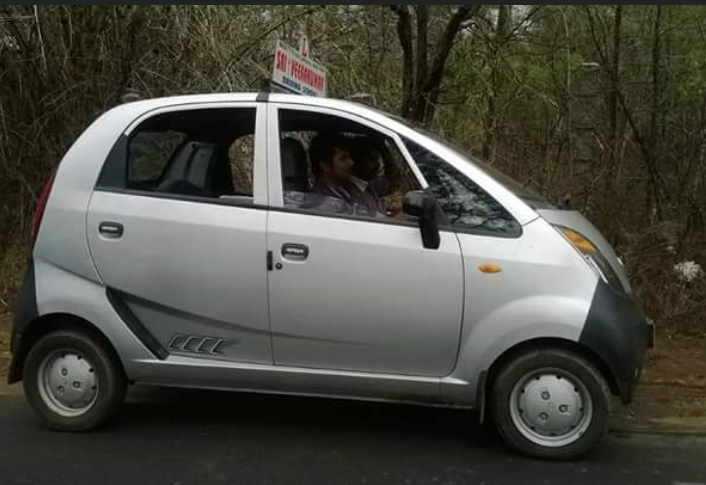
x,y
485,384
53,322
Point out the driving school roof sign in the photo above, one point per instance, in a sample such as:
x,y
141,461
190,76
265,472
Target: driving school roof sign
x,y
297,73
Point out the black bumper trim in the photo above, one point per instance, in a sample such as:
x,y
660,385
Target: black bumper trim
x,y
135,325
617,331
25,312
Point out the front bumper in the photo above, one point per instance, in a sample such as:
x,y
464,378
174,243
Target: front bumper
x,y
618,332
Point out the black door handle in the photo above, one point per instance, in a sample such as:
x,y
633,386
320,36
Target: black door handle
x,y
111,229
295,252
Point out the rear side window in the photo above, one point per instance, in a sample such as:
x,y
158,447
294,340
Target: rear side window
x,y
241,155
148,155
198,153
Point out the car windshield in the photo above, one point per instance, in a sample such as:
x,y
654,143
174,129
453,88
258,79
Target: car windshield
x,y
524,192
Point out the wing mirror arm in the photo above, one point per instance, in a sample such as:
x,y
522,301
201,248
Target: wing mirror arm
x,y
425,208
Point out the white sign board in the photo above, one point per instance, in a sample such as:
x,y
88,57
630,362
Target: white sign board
x,y
297,73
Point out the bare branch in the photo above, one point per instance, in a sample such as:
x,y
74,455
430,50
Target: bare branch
x,y
276,26
422,41
464,13
596,43
404,32
535,10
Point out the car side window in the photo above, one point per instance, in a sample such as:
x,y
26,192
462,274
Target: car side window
x,y
241,155
149,152
333,165
199,153
466,205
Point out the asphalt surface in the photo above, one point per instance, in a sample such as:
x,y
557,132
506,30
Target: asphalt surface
x,y
186,437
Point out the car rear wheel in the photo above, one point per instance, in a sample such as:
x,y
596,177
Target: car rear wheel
x,y
72,381
551,403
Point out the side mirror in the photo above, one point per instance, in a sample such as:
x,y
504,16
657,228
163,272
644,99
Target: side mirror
x,y
424,206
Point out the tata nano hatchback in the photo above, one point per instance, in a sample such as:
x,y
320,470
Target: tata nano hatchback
x,y
290,244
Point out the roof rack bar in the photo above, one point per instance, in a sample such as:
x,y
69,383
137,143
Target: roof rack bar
x,y
270,86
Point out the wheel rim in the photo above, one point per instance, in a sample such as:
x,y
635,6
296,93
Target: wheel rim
x,y
68,383
551,407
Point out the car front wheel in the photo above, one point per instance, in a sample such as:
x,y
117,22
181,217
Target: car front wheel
x,y
551,403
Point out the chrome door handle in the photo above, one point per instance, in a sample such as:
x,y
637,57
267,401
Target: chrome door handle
x,y
295,252
111,229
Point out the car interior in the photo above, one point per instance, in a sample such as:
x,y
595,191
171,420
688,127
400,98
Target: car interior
x,y
189,153
209,153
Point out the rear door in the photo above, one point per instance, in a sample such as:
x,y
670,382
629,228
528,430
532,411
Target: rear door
x,y
176,229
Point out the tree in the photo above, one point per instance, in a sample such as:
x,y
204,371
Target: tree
x,y
421,78
497,80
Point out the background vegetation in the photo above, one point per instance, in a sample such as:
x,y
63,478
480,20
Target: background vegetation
x,y
603,107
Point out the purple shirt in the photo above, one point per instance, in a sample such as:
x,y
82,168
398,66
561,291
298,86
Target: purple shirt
x,y
356,201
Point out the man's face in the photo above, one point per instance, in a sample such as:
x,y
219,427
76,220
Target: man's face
x,y
367,166
341,165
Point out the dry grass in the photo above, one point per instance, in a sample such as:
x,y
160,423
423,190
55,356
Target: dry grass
x,y
672,391
8,283
678,307
12,267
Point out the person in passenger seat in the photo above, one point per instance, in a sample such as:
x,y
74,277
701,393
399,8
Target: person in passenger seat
x,y
369,155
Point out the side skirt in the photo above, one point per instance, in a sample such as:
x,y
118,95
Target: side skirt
x,y
189,372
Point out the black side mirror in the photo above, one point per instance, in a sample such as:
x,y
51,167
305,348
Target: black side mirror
x,y
423,206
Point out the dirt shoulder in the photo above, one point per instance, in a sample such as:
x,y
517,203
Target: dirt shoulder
x,y
5,354
671,397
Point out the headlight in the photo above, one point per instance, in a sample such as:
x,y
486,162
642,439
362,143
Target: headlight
x,y
593,257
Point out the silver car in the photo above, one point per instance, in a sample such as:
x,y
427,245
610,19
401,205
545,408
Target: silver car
x,y
287,244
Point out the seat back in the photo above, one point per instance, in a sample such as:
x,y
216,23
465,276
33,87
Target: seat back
x,y
295,167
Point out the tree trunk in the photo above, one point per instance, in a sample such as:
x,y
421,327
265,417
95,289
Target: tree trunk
x,y
419,92
404,32
422,44
656,95
496,80
655,181
613,100
656,91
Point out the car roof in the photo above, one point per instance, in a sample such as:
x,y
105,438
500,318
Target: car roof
x,y
154,103
131,111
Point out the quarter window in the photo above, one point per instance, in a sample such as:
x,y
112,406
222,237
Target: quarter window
x,y
466,205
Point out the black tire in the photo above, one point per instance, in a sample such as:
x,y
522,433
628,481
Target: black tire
x,y
561,360
108,371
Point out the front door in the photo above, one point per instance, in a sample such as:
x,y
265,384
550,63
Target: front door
x,y
350,288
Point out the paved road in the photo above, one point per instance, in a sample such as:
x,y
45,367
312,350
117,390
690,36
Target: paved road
x,y
187,437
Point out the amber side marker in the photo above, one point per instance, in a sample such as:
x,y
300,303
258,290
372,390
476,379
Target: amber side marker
x,y
489,268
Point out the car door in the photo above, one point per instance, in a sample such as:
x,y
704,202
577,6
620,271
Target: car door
x,y
176,228
355,293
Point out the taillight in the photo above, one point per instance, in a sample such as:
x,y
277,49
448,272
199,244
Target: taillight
x,y
39,210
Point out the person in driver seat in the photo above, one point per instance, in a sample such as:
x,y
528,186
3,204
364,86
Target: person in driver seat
x,y
332,166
